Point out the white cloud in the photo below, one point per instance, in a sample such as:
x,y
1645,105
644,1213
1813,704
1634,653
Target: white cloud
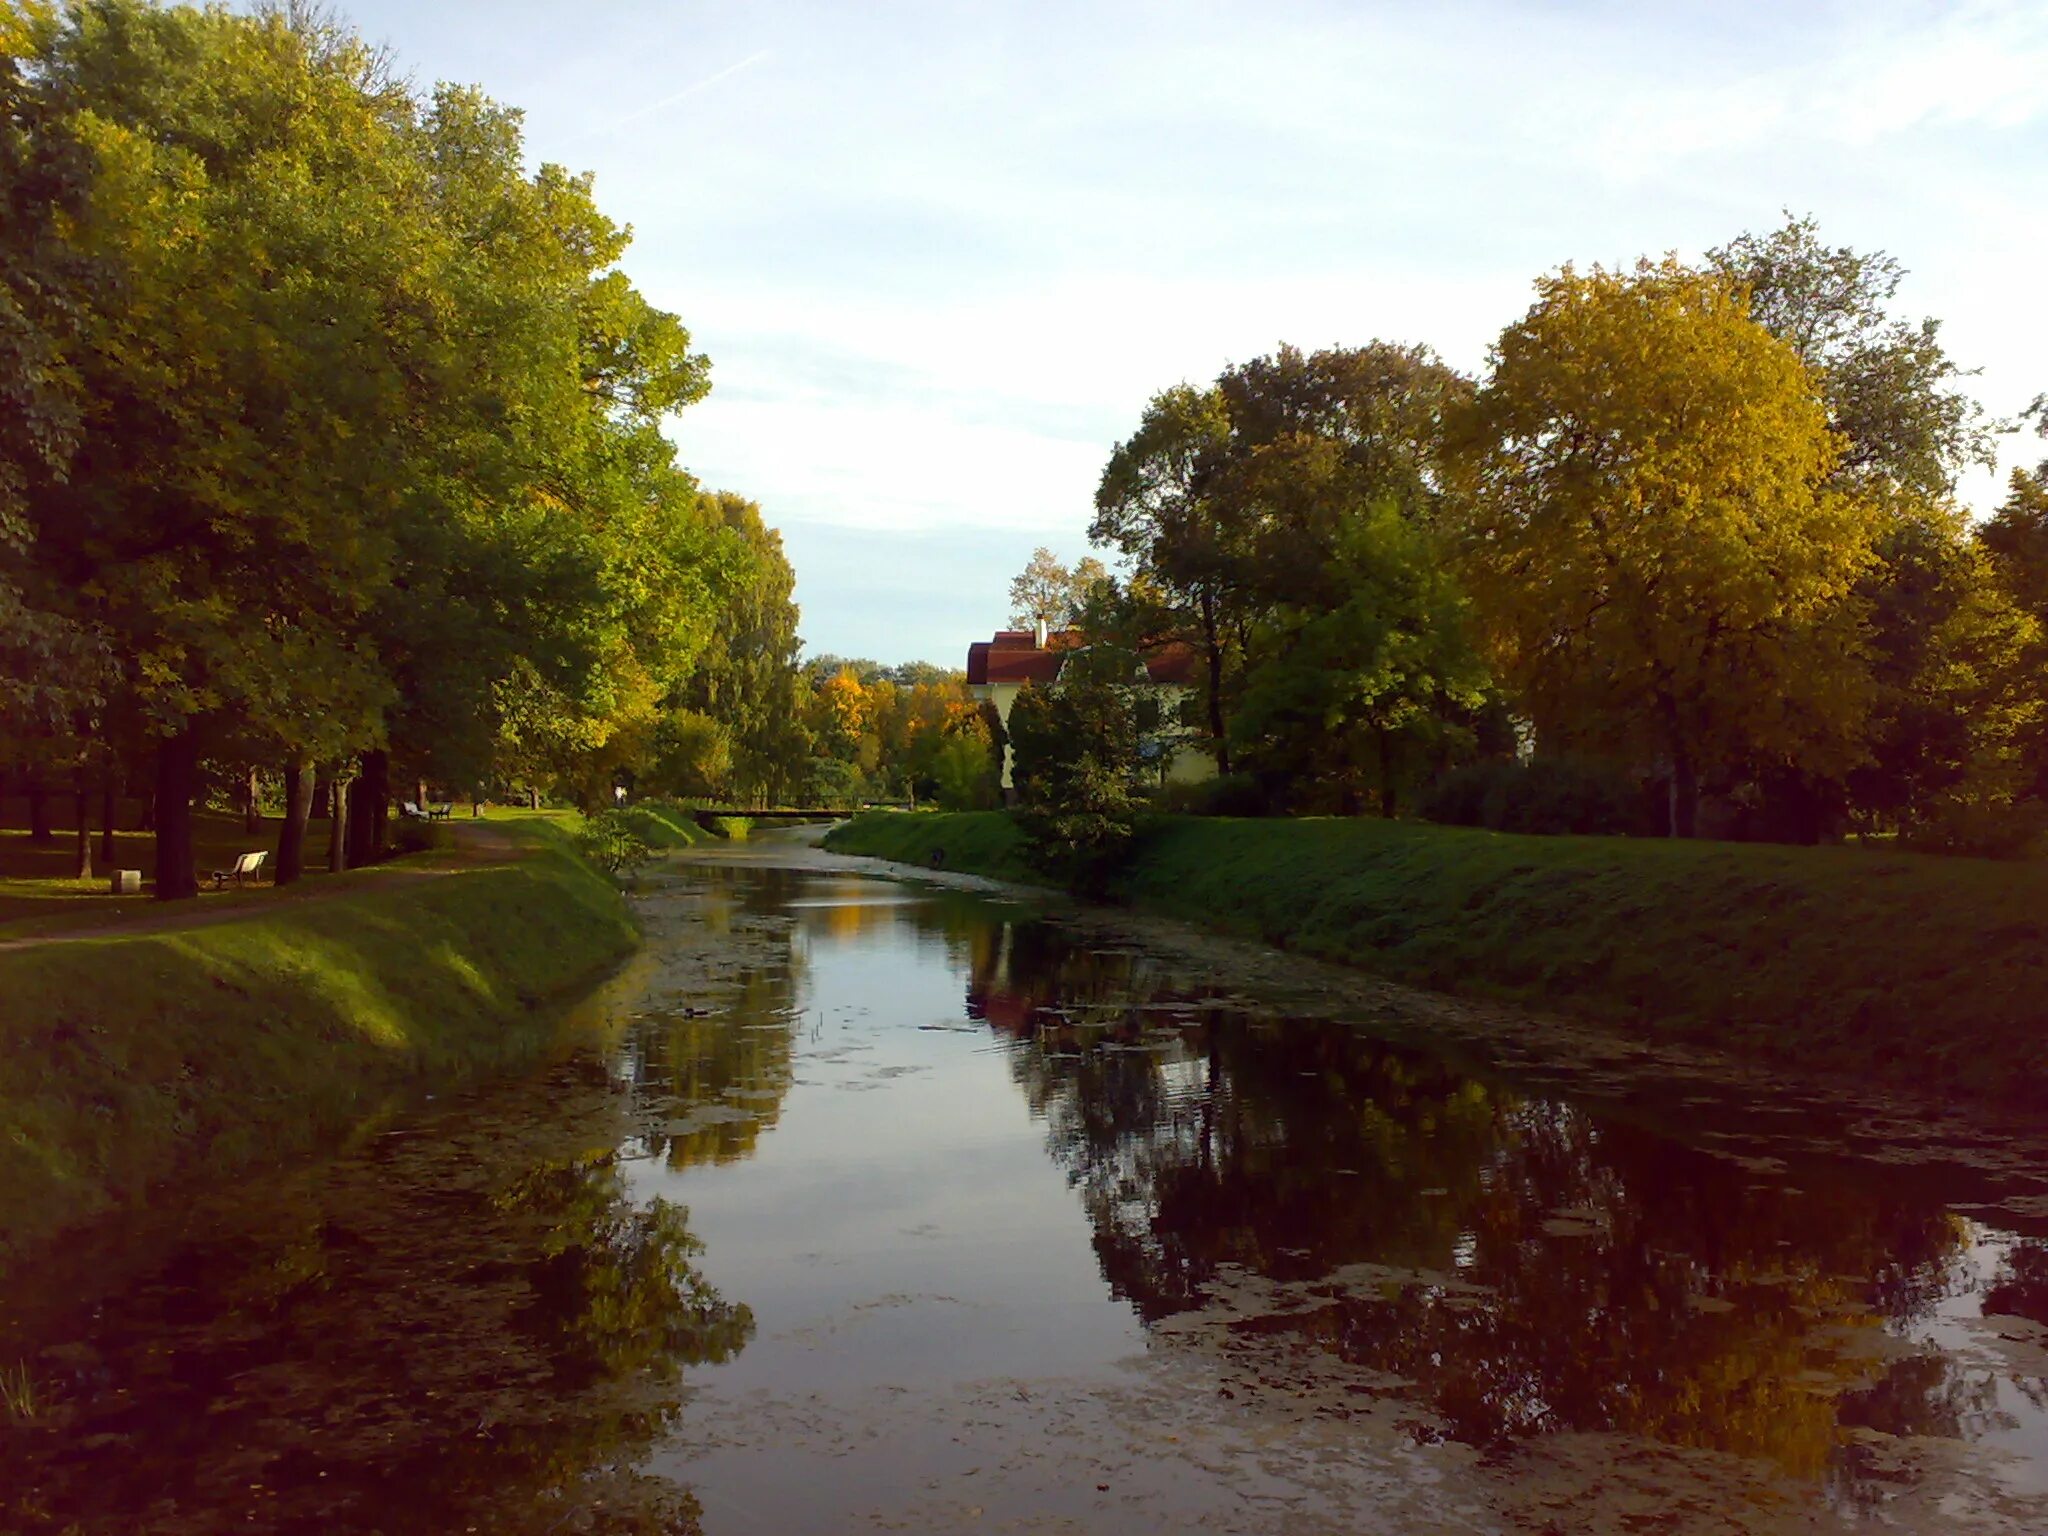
x,y
941,255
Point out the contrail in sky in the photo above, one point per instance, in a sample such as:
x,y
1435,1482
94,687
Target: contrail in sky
x,y
670,100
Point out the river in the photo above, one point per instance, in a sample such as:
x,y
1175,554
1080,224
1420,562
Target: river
x,y
855,1205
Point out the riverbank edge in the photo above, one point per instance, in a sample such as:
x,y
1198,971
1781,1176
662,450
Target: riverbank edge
x,y
1900,967
132,1062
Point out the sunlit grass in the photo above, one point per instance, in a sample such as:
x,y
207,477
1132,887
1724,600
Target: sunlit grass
x,y
132,1057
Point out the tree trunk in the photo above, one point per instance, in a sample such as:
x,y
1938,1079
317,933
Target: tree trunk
x,y
337,825
377,788
420,793
532,798
369,798
1387,797
81,802
145,810
108,803
298,810
323,794
252,808
1685,794
39,831
177,777
1212,643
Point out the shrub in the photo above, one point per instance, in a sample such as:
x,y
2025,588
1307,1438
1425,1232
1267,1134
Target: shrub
x,y
1232,794
964,768
1544,795
612,842
1076,757
1981,830
410,836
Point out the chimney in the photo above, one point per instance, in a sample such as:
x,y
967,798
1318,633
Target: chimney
x,y
1040,632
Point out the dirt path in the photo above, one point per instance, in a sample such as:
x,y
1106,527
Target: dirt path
x,y
476,844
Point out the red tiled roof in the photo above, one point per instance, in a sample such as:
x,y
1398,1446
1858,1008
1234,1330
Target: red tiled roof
x,y
1032,666
1175,662
1013,656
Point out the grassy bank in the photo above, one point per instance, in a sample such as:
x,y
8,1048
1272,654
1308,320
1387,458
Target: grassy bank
x,y
972,842
1929,969
666,826
128,1060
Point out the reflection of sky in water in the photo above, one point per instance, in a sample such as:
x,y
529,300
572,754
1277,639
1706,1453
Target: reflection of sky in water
x,y
1995,1407
901,1225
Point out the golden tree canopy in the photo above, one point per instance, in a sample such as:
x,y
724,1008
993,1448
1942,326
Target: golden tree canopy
x,y
1649,532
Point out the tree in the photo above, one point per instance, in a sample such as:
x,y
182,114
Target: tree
x,y
229,536
1051,593
1651,537
1956,701
747,676
1351,632
692,756
1347,695
963,766
2015,540
1889,384
1155,505
1075,768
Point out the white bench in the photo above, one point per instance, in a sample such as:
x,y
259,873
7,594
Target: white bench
x,y
247,866
412,812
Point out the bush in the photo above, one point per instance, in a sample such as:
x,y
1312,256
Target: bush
x,y
1550,795
411,836
1981,831
1076,756
611,840
1232,794
964,768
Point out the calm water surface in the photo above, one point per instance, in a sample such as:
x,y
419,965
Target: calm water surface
x,y
863,1205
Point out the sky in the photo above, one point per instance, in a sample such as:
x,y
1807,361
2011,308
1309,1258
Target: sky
x,y
940,255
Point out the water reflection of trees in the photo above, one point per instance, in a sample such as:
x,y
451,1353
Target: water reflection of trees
x,y
1541,1270
393,1362
727,1055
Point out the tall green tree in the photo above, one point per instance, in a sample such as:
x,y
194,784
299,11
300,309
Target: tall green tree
x,y
2015,540
220,518
747,677
1157,506
1893,393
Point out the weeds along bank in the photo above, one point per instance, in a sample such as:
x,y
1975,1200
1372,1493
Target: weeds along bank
x,y
1897,965
129,1060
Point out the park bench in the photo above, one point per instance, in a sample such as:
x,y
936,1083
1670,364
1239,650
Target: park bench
x,y
412,812
246,866
440,812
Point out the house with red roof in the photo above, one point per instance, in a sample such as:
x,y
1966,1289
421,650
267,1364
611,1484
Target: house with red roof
x,y
998,667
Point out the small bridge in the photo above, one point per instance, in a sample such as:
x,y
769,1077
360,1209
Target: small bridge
x,y
706,817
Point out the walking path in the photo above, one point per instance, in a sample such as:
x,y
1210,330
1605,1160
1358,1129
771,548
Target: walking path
x,y
476,843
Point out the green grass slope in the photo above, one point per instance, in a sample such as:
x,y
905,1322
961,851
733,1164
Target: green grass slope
x,y
128,1060
972,842
1907,966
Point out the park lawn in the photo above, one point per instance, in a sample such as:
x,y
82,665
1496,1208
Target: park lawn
x,y
1907,966
39,879
126,1061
